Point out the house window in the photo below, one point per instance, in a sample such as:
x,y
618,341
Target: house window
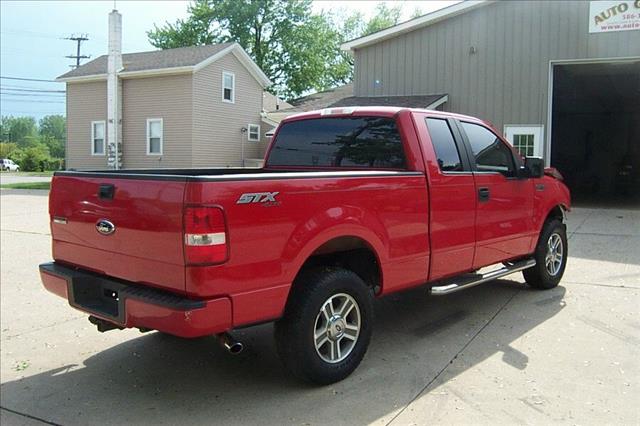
x,y
228,87
526,139
154,136
254,132
97,137
524,144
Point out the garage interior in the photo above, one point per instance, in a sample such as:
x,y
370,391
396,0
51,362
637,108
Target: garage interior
x,y
595,134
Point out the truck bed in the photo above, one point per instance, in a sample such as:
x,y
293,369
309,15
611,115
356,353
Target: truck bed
x,y
223,173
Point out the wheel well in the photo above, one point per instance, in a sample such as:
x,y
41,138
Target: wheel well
x,y
556,213
350,253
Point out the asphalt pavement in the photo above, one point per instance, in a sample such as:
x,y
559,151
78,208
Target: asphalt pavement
x,y
499,353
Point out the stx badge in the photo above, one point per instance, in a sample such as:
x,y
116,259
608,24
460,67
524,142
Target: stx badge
x,y
258,197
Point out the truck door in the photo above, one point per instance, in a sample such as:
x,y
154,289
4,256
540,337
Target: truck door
x,y
452,195
504,206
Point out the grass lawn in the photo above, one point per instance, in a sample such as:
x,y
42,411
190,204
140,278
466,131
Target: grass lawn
x,y
27,185
37,174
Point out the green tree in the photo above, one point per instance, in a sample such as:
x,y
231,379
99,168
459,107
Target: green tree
x,y
20,130
6,148
53,133
384,17
295,48
298,50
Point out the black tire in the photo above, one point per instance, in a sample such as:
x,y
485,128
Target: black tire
x,y
295,331
539,276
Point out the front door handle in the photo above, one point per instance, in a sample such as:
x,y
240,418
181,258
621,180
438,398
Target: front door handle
x,y
483,194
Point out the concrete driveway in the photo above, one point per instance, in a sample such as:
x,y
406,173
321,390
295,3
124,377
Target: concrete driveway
x,y
8,178
498,353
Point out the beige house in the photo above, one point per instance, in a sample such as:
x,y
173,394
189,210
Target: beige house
x,y
179,108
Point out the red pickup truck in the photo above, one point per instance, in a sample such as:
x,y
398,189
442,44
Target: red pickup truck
x,y
352,204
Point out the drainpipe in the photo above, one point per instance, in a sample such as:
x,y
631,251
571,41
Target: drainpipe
x,y
243,131
114,110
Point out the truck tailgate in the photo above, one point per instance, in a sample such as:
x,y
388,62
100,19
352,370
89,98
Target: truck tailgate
x,y
145,245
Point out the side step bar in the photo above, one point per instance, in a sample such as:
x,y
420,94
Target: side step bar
x,y
466,281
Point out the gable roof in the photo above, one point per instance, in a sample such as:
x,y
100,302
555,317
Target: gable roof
x,y
414,24
322,99
168,61
342,96
414,101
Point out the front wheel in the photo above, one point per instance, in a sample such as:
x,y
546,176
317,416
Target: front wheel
x,y
327,325
551,257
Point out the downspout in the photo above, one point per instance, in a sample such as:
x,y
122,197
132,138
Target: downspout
x,y
243,131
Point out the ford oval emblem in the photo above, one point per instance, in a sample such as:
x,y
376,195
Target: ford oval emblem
x,y
105,227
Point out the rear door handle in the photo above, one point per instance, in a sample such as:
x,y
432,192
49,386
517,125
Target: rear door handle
x,y
483,194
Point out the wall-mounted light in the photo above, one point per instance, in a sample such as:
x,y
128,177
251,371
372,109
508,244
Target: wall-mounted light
x,y
473,50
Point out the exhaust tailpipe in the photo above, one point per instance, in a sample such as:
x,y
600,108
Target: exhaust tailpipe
x,y
230,344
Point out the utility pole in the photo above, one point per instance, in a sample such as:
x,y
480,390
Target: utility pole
x,y
78,39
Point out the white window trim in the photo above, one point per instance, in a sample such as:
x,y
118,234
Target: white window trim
x,y
149,120
233,87
93,138
249,132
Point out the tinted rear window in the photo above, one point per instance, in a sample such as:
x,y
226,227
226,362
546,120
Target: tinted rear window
x,y
348,142
444,145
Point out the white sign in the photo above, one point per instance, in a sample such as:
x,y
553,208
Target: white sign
x,y
614,15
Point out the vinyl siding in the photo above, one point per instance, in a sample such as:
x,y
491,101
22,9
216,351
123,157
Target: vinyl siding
x,y
506,80
166,97
86,102
217,125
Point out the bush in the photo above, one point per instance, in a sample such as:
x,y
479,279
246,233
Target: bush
x,y
35,159
6,149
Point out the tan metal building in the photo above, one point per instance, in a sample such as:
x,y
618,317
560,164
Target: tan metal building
x,y
560,78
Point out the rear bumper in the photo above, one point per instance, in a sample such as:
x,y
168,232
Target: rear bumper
x,y
132,305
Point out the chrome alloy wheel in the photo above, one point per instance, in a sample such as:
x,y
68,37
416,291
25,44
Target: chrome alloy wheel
x,y
337,328
554,257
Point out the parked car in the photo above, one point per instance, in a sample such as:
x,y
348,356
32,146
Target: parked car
x,y
352,204
7,165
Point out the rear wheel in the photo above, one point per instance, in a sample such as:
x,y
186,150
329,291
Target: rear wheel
x,y
327,325
551,257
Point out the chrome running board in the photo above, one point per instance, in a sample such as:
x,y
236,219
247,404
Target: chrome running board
x,y
462,282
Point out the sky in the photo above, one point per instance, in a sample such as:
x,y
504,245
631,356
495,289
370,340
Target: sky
x,y
33,42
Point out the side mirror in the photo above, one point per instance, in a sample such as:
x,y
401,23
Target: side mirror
x,y
533,167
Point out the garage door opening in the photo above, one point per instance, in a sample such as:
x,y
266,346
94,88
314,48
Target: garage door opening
x,y
595,134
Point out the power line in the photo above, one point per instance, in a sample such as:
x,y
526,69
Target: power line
x,y
20,89
37,101
11,31
34,112
28,79
40,95
78,39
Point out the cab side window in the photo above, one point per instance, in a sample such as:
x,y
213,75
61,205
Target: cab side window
x,y
444,145
490,153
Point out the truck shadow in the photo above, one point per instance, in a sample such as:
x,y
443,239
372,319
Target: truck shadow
x,y
160,379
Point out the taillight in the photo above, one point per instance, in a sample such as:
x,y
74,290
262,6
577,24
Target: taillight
x,y
205,236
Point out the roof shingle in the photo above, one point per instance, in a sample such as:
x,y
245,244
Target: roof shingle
x,y
155,59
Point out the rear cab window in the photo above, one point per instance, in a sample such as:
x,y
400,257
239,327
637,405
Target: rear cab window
x,y
339,142
444,145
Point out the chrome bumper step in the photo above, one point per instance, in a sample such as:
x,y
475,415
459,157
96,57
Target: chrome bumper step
x,y
470,280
